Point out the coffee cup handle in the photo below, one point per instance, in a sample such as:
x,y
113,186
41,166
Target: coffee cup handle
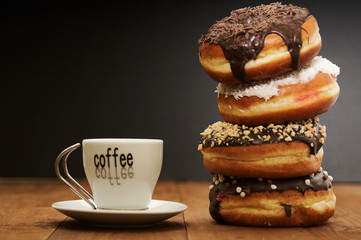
x,y
82,193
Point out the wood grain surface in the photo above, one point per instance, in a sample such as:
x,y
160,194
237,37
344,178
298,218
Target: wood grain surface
x,y
26,213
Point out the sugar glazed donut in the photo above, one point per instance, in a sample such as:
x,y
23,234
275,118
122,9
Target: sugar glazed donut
x,y
303,201
286,150
259,42
300,94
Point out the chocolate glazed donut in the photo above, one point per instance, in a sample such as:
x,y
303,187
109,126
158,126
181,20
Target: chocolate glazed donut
x,y
302,201
243,35
251,44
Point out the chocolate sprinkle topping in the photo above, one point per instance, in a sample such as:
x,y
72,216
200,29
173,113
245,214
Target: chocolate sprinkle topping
x,y
242,34
228,187
223,134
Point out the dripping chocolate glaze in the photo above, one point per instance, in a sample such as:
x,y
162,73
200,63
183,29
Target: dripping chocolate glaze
x,y
242,34
318,181
223,134
288,209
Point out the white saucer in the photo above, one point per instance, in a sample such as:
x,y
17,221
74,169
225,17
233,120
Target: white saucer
x,y
157,211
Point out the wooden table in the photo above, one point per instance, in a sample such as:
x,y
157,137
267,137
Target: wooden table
x,y
26,213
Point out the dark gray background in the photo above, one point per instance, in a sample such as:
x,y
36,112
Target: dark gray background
x,y
72,71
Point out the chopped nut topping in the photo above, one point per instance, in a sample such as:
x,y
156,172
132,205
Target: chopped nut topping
x,y
238,189
295,126
273,187
267,138
242,194
323,131
211,187
288,139
246,132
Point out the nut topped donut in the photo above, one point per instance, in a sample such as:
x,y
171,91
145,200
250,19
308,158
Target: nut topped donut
x,y
286,150
304,201
259,42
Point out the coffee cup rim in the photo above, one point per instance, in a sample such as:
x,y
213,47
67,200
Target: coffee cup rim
x,y
122,140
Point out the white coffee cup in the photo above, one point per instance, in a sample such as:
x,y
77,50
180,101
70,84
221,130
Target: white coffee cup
x,y
122,173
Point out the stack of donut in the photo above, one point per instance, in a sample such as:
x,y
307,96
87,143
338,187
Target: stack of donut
x,y
266,156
